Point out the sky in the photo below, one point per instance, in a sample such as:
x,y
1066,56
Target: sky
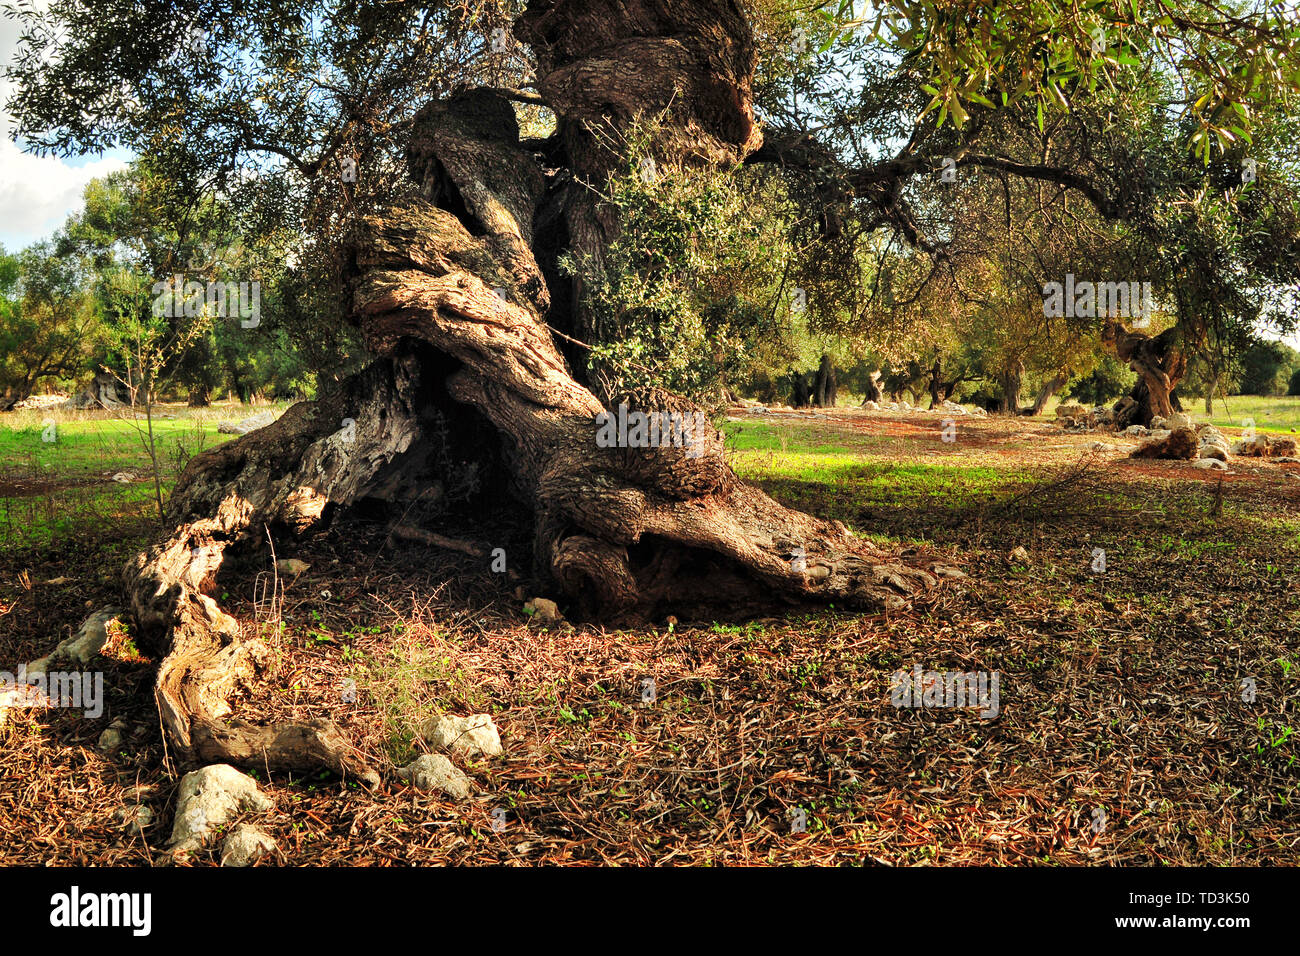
x,y
37,194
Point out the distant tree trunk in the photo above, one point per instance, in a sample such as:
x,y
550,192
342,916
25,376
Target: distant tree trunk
x,y
873,392
200,397
936,385
1050,388
801,391
940,390
1010,382
824,385
1210,392
1160,364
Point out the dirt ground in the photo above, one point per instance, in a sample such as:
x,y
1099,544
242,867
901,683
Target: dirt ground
x,y
1123,733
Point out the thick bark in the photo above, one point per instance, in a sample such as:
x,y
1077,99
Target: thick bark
x,y
356,443
452,290
616,528
1160,364
941,390
801,392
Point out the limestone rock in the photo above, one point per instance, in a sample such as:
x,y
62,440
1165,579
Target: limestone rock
x,y
436,772
209,798
544,610
135,818
250,424
1179,445
472,736
1212,444
1265,446
81,647
292,566
245,845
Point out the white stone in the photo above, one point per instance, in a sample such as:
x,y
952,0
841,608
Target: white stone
x,y
246,845
472,736
209,798
81,647
137,818
436,772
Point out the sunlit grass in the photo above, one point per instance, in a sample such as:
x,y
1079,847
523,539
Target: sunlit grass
x,y
57,465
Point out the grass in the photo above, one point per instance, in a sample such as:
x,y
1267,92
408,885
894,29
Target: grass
x,y
57,466
1270,413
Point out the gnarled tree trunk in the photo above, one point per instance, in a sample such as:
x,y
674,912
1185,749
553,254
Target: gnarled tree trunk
x,y
1160,364
452,288
1010,382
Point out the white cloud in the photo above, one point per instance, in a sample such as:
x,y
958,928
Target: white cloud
x,y
38,193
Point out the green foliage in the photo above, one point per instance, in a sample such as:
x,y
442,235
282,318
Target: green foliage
x,y
1046,56
689,296
1267,368
46,319
1106,382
